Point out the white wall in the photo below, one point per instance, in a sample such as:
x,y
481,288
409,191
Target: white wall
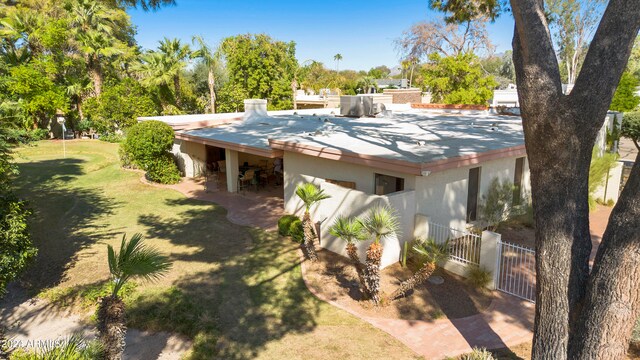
x,y
191,157
442,196
612,188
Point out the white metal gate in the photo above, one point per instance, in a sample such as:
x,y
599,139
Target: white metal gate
x,y
517,271
464,246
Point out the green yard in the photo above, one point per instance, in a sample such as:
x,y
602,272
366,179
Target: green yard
x,y
236,291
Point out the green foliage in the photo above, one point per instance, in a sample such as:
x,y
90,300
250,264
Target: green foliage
x,y
148,141
478,354
478,276
631,127
261,67
135,260
598,171
380,222
22,136
458,80
119,106
113,138
296,231
73,348
163,170
625,98
430,251
497,202
348,229
310,194
284,224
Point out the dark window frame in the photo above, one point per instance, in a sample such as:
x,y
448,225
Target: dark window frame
x,y
399,183
473,193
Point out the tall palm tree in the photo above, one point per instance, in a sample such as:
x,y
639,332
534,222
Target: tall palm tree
x,y
211,59
351,231
310,195
135,260
93,27
175,56
337,58
432,253
379,223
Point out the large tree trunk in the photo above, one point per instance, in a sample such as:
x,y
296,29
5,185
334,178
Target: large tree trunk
x,y
560,132
418,278
372,271
212,91
96,76
309,236
111,326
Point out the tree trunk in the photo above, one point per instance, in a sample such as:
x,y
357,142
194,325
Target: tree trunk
x,y
176,86
96,76
111,326
372,271
352,251
309,236
418,278
212,91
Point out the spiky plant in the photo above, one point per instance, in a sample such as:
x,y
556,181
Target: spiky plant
x,y
310,195
379,223
74,348
351,231
134,260
431,253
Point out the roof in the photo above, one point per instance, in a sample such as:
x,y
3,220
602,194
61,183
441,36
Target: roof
x,y
415,141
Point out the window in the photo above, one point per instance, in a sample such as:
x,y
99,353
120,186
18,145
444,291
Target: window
x,y
386,184
472,194
517,181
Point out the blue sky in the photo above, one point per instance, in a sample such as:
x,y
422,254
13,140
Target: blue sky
x,y
362,31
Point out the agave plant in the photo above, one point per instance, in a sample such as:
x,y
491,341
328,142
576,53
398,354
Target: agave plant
x,y
351,231
379,223
431,253
310,195
134,260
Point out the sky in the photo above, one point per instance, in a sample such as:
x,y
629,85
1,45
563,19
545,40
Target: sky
x,y
363,31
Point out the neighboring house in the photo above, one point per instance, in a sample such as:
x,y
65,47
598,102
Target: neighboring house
x,y
392,83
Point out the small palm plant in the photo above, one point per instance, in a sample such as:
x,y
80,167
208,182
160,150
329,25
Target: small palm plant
x,y
135,260
310,195
431,253
351,231
379,223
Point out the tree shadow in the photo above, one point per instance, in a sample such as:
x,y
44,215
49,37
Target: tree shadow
x,y
251,296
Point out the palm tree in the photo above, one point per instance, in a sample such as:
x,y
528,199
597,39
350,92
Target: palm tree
x,y
211,59
175,55
310,195
379,223
337,58
431,253
135,260
351,231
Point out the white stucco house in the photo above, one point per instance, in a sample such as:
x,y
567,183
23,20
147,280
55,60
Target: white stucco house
x,y
429,164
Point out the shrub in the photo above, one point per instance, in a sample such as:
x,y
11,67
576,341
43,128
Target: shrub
x,y
22,136
284,224
296,231
631,126
125,159
478,276
598,171
112,138
163,170
478,354
148,141
497,202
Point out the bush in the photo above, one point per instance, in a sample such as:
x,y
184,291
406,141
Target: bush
x,y
296,231
22,136
478,354
497,202
148,141
478,276
284,224
112,138
163,170
125,159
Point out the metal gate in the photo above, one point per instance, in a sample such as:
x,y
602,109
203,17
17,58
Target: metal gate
x,y
517,271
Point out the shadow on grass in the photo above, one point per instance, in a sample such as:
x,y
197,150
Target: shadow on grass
x,y
252,295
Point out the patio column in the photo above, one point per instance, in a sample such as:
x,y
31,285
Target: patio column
x,y
231,157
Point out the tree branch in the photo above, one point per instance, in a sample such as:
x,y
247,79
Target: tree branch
x,y
607,56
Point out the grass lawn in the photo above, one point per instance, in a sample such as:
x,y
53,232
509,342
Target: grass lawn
x,y
236,291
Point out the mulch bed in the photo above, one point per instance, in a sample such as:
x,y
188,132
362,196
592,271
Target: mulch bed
x,y
334,276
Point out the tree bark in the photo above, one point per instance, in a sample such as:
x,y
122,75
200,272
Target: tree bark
x,y
176,86
111,326
309,237
96,76
212,91
416,279
352,251
372,271
560,133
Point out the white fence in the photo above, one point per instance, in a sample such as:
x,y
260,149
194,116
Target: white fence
x,y
516,271
463,245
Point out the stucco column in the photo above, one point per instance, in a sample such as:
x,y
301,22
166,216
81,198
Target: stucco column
x,y
231,160
489,253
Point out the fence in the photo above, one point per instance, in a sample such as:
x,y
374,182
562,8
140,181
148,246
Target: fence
x,y
516,271
463,245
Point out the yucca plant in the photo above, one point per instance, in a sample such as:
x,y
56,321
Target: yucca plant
x,y
310,195
351,231
379,223
74,348
431,253
134,260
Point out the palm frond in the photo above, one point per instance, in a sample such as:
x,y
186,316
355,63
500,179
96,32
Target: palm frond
x,y
347,229
432,251
381,222
310,194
